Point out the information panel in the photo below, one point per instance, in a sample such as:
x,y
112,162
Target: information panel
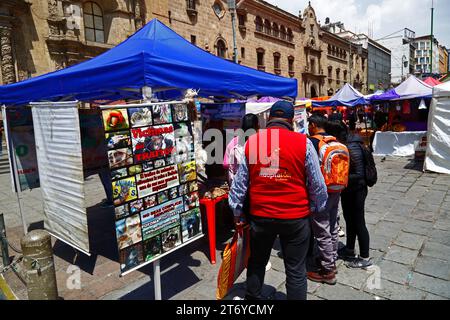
x,y
154,180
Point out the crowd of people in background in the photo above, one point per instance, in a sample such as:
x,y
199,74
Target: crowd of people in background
x,y
292,200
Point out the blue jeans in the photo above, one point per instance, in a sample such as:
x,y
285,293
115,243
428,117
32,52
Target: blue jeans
x,y
294,238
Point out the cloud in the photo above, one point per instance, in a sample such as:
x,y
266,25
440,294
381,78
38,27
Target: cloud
x,y
384,16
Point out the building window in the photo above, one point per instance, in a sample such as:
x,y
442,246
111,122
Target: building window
x,y
290,35
267,27
330,72
345,75
259,24
193,39
329,49
243,53
93,22
218,10
338,74
291,60
283,34
241,19
276,62
221,49
260,58
275,30
190,4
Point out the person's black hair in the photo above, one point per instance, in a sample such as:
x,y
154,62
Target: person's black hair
x,y
250,121
352,125
319,120
337,129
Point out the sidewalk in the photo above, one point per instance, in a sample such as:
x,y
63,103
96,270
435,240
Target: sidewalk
x,y
408,216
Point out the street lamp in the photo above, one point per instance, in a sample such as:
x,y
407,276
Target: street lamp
x,y
404,64
232,9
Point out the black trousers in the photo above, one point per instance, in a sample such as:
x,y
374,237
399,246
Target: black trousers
x,y
294,238
353,203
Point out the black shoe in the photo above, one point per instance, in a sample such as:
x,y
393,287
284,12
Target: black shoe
x,y
359,263
346,254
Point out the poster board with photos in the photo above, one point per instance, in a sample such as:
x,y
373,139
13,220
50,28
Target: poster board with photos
x,y
154,180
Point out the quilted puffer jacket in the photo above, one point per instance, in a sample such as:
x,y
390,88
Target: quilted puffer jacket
x,y
357,174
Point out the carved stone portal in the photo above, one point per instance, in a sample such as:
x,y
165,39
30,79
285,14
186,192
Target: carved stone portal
x,y
7,59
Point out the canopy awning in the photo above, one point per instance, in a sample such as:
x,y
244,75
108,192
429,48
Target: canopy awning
x,y
347,96
156,57
411,88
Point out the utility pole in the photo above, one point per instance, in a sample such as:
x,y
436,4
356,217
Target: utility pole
x,y
432,36
232,8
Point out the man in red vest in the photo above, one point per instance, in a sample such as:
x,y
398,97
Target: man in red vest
x,y
281,174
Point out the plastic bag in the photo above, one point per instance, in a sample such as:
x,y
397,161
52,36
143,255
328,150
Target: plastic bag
x,y
234,261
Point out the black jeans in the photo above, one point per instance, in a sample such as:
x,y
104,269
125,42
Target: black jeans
x,y
353,202
294,238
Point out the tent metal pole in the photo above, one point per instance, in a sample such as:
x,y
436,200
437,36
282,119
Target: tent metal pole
x,y
157,279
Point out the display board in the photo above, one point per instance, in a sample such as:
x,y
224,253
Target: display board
x,y
58,149
21,145
153,172
300,119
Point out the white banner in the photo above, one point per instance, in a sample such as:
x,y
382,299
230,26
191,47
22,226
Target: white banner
x,y
58,148
400,144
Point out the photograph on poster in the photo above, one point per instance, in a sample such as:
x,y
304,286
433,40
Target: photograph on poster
x,y
191,201
193,186
183,189
134,170
124,190
187,171
137,206
152,248
191,224
170,239
159,163
163,197
185,149
173,193
157,180
128,231
119,139
180,112
140,117
131,257
151,143
147,166
120,158
121,211
119,174
162,114
116,119
183,129
150,201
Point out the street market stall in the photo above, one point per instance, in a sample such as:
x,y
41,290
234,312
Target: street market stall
x,y
438,138
406,107
155,195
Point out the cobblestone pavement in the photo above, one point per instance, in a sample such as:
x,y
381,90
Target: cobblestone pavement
x,y
407,212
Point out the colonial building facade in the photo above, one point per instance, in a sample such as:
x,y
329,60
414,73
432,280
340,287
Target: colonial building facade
x,y
40,36
273,40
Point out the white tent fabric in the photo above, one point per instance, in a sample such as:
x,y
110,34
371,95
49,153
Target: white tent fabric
x,y
413,88
261,109
438,145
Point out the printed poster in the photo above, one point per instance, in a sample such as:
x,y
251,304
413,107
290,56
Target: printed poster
x,y
151,155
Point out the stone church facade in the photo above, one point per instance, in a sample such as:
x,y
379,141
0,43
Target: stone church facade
x,y
40,36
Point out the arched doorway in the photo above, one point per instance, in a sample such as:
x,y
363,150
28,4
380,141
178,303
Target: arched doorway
x,y
313,92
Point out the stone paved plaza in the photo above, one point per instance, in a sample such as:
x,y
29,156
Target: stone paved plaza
x,y
407,212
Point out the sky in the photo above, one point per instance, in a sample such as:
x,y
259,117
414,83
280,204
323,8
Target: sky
x,y
384,16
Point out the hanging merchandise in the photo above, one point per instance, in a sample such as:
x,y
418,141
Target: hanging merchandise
x,y
398,107
406,107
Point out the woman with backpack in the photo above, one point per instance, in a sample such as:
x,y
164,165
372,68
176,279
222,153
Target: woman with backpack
x,y
353,200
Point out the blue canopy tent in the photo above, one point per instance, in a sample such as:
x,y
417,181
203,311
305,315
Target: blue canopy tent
x,y
155,57
346,96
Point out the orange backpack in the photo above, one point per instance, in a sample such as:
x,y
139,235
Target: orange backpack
x,y
335,163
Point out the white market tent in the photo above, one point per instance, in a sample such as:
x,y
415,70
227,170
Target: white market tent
x,y
438,146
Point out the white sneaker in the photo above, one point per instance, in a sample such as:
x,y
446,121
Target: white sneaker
x,y
238,298
341,232
268,266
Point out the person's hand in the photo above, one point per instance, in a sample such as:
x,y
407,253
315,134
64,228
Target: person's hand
x,y
239,221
